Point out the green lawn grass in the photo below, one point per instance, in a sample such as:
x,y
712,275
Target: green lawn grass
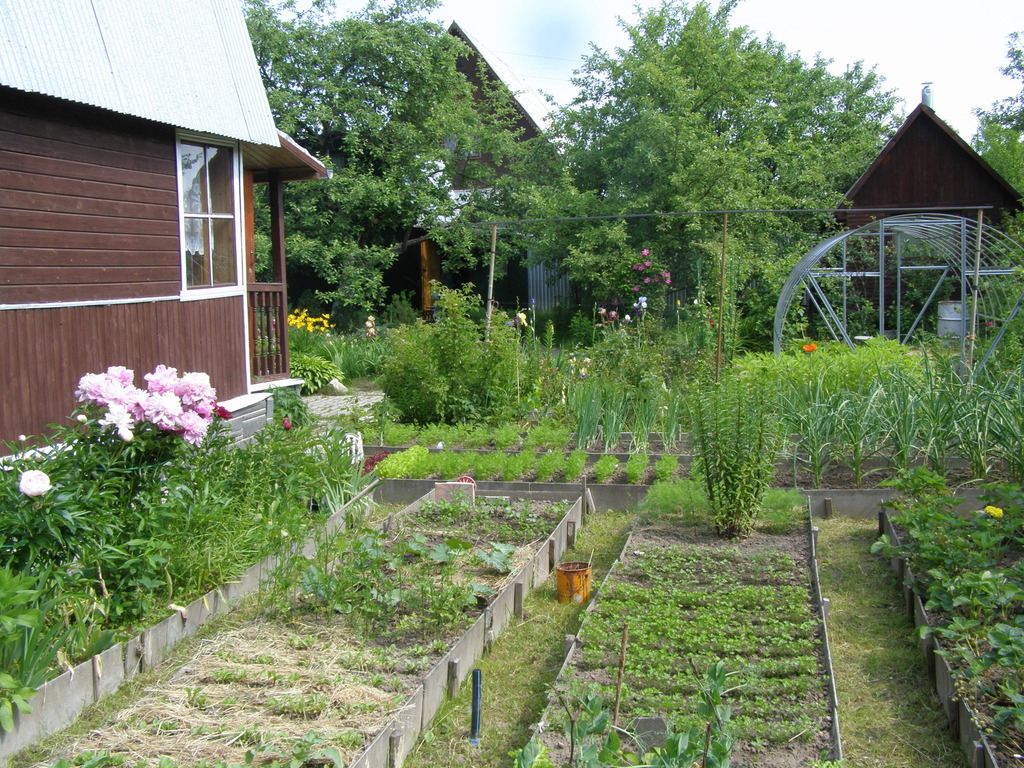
x,y
888,714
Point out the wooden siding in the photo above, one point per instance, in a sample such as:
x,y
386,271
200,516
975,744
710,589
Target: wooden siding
x,y
46,351
927,166
88,204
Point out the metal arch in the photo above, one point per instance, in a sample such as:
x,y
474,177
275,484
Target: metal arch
x,y
952,246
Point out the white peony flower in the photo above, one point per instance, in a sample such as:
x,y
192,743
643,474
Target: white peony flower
x,y
34,482
119,417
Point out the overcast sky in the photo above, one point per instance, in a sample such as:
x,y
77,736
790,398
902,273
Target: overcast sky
x,y
959,47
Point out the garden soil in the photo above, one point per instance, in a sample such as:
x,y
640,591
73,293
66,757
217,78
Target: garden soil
x,y
802,751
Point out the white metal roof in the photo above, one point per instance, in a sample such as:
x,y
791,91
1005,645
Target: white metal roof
x,y
532,103
186,63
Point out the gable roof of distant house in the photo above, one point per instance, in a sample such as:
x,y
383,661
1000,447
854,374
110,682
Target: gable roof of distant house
x,y
185,63
531,103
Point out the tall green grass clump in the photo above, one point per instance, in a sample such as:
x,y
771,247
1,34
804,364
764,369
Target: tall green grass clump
x,y
735,438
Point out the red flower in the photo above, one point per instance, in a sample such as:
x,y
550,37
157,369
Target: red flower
x,y
286,423
221,412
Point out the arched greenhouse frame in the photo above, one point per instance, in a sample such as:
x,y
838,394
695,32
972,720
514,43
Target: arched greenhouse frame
x,y
896,276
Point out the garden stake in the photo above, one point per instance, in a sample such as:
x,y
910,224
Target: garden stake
x,y
622,672
474,727
490,282
721,302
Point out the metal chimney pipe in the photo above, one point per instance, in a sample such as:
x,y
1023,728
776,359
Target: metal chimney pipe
x,y
926,95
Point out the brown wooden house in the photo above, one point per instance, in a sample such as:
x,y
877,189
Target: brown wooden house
x,y
483,70
131,135
927,167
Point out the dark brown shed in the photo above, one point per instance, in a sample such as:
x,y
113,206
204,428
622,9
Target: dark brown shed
x,y
927,167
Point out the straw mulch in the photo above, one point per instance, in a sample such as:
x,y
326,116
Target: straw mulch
x,y
266,685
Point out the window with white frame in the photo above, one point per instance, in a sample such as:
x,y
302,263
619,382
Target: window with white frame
x,y
210,213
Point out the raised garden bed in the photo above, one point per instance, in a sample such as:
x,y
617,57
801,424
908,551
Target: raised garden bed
x,y
690,600
619,467
359,679
965,721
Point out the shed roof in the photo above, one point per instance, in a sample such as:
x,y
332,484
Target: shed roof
x,y
186,63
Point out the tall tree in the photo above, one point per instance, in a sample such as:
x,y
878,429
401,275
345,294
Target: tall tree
x,y
379,98
696,115
1000,137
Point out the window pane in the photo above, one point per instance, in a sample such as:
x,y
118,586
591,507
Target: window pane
x,y
197,262
221,173
193,179
224,264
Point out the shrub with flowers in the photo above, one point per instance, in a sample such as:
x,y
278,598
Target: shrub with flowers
x,y
142,499
301,319
649,276
185,405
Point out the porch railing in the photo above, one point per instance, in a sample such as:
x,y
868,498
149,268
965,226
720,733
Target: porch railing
x,y
268,331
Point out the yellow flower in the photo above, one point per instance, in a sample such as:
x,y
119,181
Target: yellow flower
x,y
995,512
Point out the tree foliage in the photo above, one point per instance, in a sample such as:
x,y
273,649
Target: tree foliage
x,y
1000,137
379,98
695,115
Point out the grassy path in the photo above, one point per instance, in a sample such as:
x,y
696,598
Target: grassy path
x,y
888,715
525,660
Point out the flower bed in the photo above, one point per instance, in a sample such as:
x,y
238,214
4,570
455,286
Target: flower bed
x,y
690,601
962,576
325,676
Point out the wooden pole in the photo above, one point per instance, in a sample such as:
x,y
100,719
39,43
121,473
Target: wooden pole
x,y
721,302
490,279
622,672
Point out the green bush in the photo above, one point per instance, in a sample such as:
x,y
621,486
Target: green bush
x,y
316,372
488,466
358,357
446,371
548,464
666,468
403,464
636,467
574,465
289,404
605,467
680,497
836,366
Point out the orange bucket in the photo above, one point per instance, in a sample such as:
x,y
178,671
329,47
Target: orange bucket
x,y
573,582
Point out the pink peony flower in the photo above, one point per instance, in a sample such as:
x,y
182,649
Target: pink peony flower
x,y
647,279
162,409
195,388
194,426
124,375
34,482
162,379
647,263
646,252
100,389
